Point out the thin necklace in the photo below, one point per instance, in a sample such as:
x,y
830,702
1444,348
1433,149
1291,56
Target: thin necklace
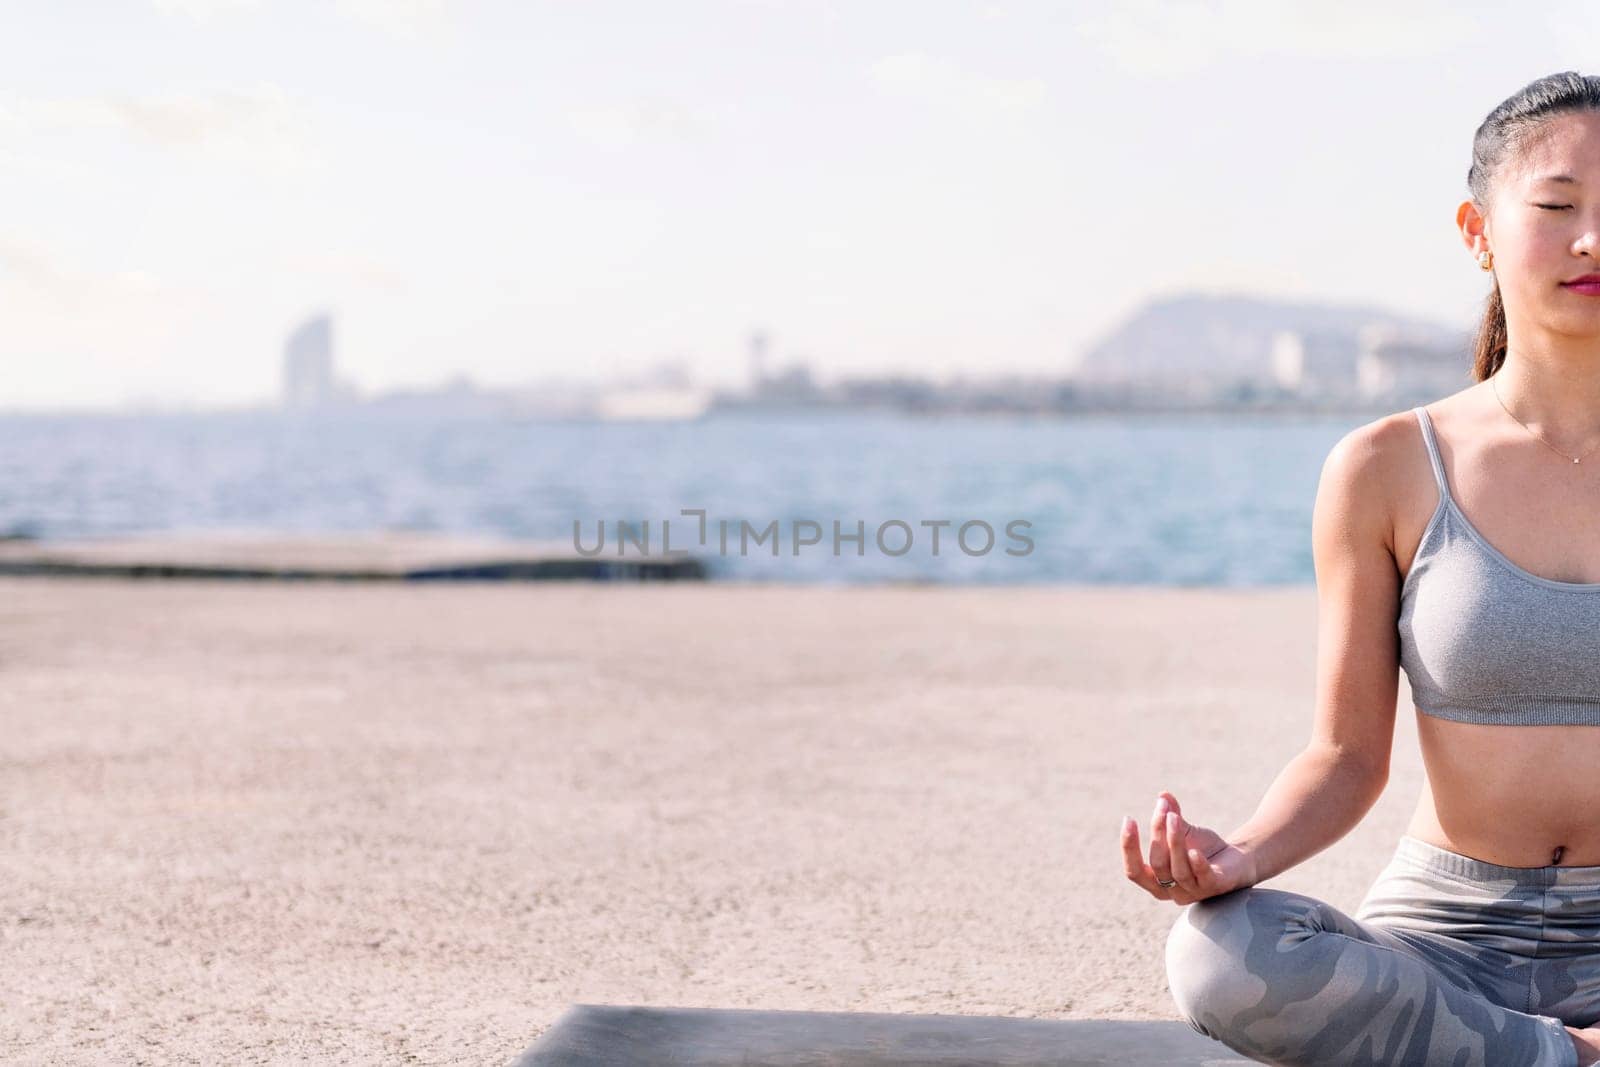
x,y
1495,386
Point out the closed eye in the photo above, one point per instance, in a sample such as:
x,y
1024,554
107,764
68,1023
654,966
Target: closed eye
x,y
1553,207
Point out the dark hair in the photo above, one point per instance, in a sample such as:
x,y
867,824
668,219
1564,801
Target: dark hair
x,y
1507,130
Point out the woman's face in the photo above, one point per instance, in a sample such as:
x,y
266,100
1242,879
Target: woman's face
x,y
1544,231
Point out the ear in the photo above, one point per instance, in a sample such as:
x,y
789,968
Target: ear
x,y
1474,226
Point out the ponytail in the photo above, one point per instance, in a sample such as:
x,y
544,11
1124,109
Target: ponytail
x,y
1490,350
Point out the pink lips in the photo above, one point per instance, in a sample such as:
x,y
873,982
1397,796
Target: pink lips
x,y
1587,288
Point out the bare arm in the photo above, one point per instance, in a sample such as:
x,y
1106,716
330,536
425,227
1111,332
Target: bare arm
x,y
1327,789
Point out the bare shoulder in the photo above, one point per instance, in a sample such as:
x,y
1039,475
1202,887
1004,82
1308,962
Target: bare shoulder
x,y
1370,464
1369,479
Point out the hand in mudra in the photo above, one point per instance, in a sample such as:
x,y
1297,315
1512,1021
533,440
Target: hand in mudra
x,y
1198,862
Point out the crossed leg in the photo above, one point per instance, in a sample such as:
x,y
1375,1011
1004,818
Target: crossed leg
x,y
1285,978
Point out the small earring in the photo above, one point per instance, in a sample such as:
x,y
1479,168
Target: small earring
x,y
1486,259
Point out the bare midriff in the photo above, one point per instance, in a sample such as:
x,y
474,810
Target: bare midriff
x,y
1519,796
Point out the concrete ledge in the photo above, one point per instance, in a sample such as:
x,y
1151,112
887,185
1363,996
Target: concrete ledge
x,y
355,557
592,1035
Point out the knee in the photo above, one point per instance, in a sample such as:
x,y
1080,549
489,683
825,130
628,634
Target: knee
x,y
1208,960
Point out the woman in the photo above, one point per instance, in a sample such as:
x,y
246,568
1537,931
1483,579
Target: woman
x,y
1459,541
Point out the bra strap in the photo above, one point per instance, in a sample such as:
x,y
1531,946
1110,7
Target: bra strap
x,y
1433,450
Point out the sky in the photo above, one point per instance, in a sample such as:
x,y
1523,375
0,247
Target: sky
x,y
527,191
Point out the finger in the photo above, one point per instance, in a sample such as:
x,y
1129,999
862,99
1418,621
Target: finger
x,y
1178,848
1172,802
1133,862
1160,862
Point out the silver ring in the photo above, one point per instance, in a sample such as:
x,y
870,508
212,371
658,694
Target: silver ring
x,y
1164,884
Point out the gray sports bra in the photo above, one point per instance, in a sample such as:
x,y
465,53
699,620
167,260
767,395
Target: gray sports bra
x,y
1482,640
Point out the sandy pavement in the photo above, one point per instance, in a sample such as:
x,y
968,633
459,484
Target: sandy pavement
x,y
287,823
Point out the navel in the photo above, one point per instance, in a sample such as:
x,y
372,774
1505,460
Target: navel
x,y
1557,857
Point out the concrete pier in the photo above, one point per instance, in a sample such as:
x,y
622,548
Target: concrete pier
x,y
400,556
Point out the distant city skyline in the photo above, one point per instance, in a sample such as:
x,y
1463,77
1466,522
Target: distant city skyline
x,y
526,192
1190,352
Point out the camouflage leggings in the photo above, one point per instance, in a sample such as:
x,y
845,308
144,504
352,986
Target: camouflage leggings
x,y
1448,960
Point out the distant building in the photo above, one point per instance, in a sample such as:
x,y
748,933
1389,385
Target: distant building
x,y
665,391
308,364
663,402
1319,363
758,360
793,384
1407,369
308,375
